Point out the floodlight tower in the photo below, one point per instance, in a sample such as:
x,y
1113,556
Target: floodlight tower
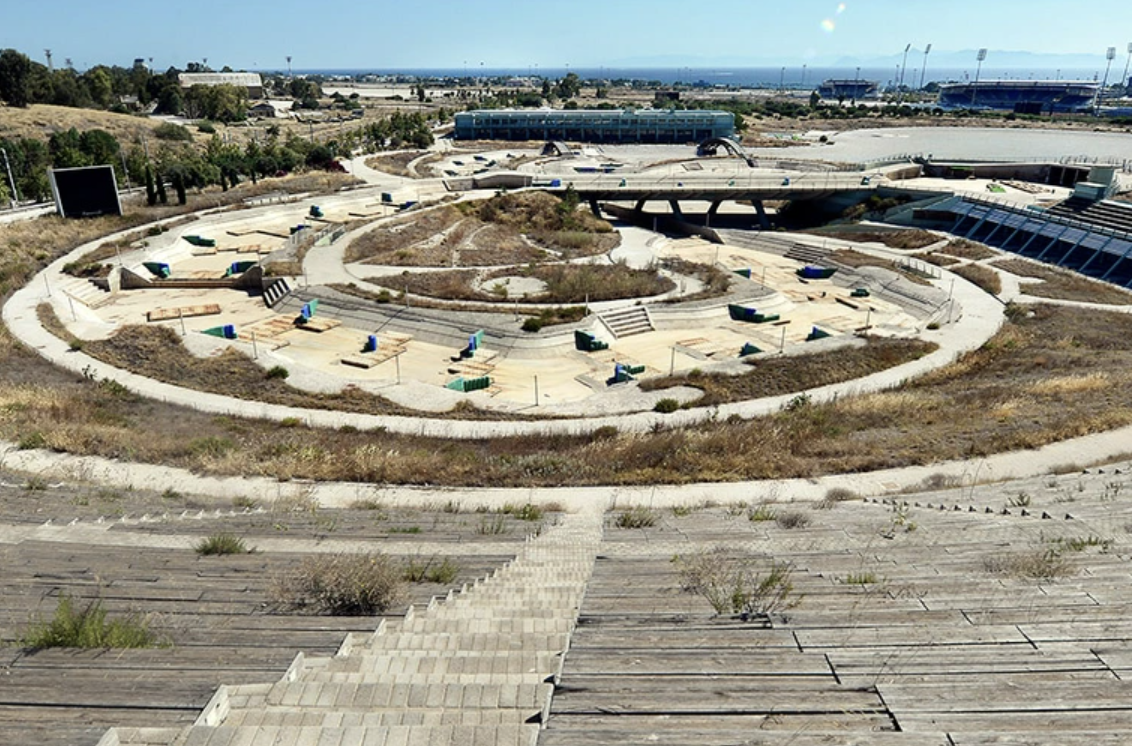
x,y
982,55
903,67
50,67
1110,55
924,69
1124,80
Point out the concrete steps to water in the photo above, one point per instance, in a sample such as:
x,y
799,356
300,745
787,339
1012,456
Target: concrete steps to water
x,y
626,322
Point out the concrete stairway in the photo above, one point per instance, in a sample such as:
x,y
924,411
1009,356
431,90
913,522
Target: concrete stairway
x,y
476,668
82,290
276,292
626,322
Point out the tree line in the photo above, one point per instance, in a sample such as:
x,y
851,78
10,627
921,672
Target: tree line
x,y
172,157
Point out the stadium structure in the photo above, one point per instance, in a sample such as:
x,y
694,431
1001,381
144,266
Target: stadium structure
x,y
1022,96
853,88
595,125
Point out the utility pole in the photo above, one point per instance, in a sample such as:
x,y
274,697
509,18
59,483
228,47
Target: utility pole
x,y
982,55
50,67
288,67
12,181
856,86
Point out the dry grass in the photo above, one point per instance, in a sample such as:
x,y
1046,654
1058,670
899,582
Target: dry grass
x,y
854,259
939,260
1065,285
961,248
984,277
774,376
395,163
892,238
565,283
506,229
40,121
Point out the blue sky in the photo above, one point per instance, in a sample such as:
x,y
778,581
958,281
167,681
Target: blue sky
x,y
550,33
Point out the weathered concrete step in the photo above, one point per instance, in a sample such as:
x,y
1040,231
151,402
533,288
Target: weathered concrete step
x,y
441,677
441,642
397,735
383,717
456,625
344,696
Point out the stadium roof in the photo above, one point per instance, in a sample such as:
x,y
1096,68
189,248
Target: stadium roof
x,y
245,80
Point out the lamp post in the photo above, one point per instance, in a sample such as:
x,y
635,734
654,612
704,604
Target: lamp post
x,y
803,78
974,89
924,70
856,86
782,80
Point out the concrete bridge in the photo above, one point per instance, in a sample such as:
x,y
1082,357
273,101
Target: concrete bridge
x,y
754,187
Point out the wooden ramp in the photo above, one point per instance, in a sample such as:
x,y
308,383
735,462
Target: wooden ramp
x,y
184,312
389,346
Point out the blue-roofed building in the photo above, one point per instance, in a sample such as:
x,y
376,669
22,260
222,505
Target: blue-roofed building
x,y
595,125
1030,96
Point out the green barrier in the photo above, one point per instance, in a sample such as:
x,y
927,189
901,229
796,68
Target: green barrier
x,y
467,385
587,342
635,370
746,272
816,334
748,349
200,241
859,293
159,269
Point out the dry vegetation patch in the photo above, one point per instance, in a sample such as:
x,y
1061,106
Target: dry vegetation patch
x,y
565,283
1065,285
854,259
506,229
984,277
913,238
961,248
774,376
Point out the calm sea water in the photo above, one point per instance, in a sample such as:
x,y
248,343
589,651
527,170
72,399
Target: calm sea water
x,y
794,77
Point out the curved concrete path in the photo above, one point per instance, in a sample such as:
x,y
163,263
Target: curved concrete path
x,y
980,318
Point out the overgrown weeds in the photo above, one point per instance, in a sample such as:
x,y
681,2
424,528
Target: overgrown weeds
x,y
636,517
341,585
737,585
221,544
89,627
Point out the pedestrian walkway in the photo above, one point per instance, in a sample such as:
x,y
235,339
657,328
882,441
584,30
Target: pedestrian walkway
x,y
476,668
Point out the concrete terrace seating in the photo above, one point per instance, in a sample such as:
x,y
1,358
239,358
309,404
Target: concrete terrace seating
x,y
474,668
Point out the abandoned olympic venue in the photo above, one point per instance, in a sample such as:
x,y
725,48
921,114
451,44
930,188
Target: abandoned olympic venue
x,y
610,283
597,126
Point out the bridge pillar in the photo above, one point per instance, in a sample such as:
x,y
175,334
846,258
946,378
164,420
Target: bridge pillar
x,y
640,205
675,205
714,207
764,222
595,208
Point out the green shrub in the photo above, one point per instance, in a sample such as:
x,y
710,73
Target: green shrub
x,y
666,406
31,441
761,513
443,572
170,131
278,371
524,512
636,517
206,127
88,628
290,422
342,585
219,544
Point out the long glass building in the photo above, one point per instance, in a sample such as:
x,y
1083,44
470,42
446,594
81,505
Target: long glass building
x,y
595,125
